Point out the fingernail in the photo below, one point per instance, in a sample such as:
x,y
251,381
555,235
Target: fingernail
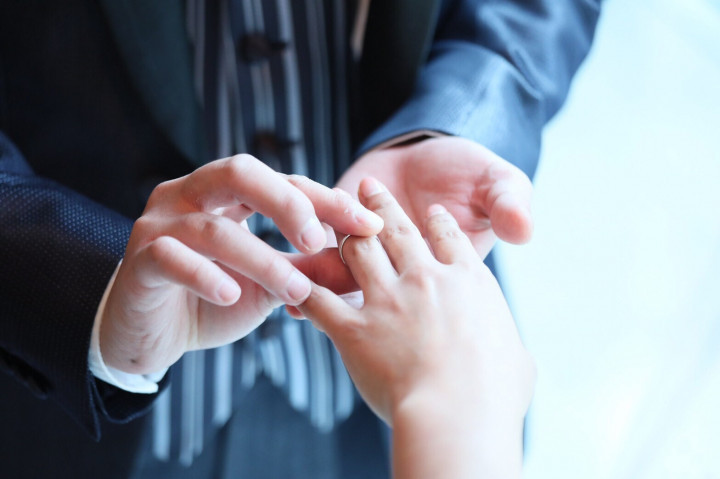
x,y
367,218
298,286
313,235
294,312
229,291
436,210
370,187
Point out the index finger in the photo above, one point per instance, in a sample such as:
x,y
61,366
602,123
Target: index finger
x,y
338,209
245,180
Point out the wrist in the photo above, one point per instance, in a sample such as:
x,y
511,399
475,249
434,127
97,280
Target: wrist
x,y
437,434
145,384
407,138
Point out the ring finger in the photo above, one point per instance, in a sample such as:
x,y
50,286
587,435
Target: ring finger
x,y
368,263
400,237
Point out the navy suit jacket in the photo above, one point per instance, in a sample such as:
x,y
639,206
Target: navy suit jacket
x,y
97,107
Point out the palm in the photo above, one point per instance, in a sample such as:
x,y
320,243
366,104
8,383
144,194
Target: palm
x,y
486,194
181,320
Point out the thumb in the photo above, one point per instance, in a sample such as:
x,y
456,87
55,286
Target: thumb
x,y
326,269
511,219
327,311
507,202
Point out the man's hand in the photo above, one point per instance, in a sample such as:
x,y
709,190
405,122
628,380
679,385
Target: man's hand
x,y
194,276
488,196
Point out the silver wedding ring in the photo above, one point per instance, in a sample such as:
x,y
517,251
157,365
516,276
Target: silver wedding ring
x,y
340,248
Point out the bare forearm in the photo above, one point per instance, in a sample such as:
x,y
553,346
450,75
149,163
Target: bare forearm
x,y
440,437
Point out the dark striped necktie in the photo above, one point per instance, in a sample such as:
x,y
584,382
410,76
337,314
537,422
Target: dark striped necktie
x,y
270,76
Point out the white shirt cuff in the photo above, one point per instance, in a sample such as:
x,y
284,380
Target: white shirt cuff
x,y
134,383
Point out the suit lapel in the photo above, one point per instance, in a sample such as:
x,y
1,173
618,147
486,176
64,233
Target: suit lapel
x,y
397,41
152,40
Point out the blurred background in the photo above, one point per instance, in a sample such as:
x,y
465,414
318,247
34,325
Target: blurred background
x,y
618,294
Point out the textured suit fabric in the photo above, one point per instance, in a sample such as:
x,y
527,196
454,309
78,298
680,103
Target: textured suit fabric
x,y
83,144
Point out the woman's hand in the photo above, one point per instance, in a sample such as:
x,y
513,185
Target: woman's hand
x,y
434,349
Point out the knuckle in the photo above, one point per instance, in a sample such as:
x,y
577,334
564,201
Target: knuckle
x,y
161,250
298,181
359,246
275,271
398,231
422,279
238,166
441,220
447,235
294,204
199,273
161,193
213,229
143,227
380,201
438,222
190,222
342,202
417,275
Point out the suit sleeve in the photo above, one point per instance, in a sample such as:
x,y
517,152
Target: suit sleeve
x,y
497,71
57,253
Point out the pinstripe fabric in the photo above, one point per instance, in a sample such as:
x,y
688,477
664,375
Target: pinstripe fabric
x,y
270,75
